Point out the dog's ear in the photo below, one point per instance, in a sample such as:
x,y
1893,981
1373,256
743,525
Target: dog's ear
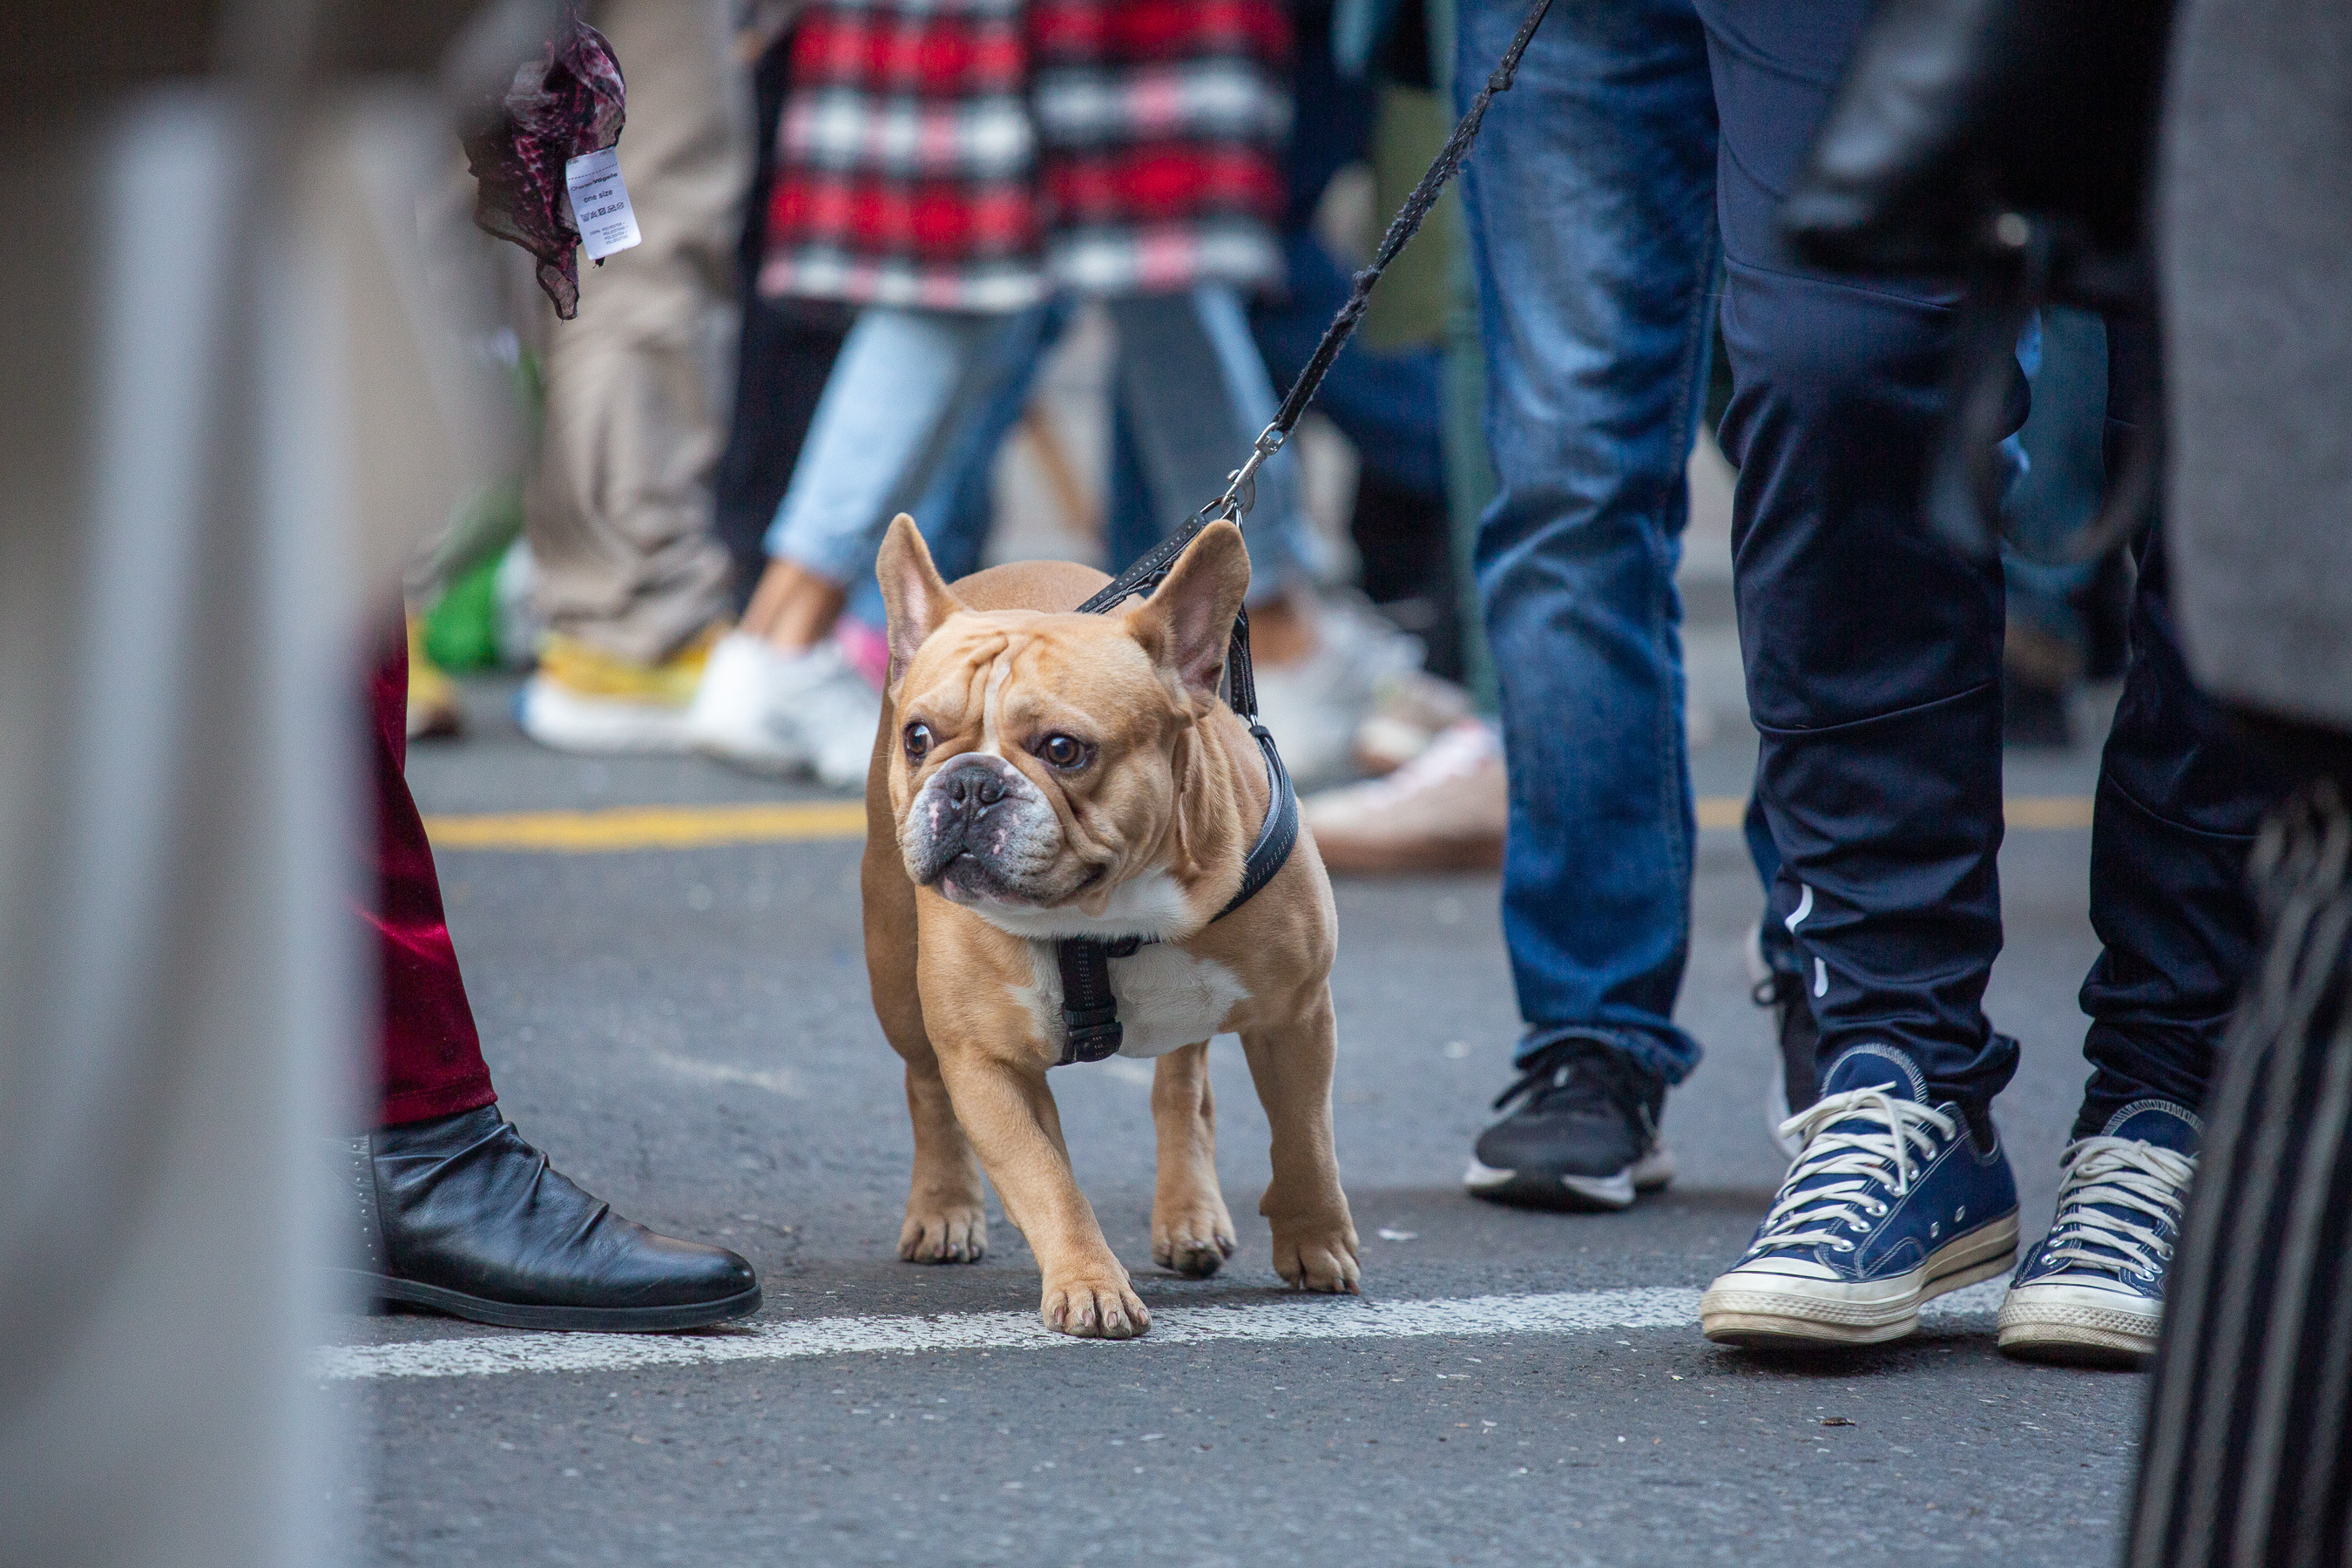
x,y
913,592
1187,625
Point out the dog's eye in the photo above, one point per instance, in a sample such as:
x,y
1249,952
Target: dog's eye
x,y
917,738
1065,752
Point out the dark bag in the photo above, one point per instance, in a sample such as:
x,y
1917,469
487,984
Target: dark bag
x,y
2007,144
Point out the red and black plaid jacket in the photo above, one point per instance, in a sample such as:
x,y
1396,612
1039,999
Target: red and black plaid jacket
x,y
977,154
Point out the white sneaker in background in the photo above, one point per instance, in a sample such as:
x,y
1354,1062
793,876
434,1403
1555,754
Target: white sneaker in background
x,y
728,718
1409,712
836,711
1443,811
583,698
1314,706
785,712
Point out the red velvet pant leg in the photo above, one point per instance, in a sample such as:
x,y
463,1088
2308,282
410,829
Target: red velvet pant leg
x,y
432,1057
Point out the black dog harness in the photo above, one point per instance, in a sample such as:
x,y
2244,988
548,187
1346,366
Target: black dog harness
x,y
1089,1010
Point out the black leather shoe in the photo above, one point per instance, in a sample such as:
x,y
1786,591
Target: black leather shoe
x,y
458,1214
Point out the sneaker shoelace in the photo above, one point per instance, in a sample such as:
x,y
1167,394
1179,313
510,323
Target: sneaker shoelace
x,y
1836,1185
2104,1174
1572,1076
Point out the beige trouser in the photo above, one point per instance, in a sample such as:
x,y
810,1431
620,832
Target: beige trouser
x,y
619,519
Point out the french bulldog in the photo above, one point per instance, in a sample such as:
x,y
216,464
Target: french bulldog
x,y
1041,774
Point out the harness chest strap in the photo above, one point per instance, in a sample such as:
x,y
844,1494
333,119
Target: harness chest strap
x,y
1090,1027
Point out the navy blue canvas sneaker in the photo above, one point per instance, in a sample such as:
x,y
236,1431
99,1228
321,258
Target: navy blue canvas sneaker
x,y
1891,1204
2092,1292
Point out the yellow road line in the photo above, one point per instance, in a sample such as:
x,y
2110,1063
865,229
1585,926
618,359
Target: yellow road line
x,y
649,826
1721,811
613,829
2024,813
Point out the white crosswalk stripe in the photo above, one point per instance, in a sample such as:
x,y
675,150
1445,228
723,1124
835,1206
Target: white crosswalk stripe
x,y
1562,1312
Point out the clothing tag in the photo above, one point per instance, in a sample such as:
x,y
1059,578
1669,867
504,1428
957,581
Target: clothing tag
x,y
600,204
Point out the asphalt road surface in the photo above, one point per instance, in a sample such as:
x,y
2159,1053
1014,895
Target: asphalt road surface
x,y
688,1033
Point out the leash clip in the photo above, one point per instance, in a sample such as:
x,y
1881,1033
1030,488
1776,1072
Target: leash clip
x,y
1241,485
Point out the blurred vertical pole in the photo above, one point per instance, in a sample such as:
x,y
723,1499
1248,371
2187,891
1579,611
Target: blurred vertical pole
x,y
218,433
173,604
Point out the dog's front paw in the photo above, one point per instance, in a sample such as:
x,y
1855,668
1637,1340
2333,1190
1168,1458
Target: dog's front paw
x,y
957,1234
1194,1238
1097,1308
1312,1256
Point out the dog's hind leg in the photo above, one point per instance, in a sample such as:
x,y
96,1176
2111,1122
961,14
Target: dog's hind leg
x,y
1191,1230
1314,1236
945,1221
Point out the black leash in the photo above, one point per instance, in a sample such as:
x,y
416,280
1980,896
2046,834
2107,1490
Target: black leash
x,y
1089,1010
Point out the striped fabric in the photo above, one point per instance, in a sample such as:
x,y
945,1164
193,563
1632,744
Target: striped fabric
x,y
2248,1461
977,154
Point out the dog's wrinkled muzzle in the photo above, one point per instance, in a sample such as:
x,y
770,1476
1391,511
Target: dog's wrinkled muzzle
x,y
978,827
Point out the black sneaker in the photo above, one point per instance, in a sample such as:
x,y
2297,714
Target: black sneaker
x,y
1793,1088
1584,1134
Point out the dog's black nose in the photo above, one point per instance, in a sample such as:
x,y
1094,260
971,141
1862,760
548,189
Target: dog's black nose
x,y
972,788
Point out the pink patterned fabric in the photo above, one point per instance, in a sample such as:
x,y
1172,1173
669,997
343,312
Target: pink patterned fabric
x,y
569,102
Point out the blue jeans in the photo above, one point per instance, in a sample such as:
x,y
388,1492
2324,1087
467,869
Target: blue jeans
x,y
1190,395
1590,201
1634,140
918,400
914,402
2064,473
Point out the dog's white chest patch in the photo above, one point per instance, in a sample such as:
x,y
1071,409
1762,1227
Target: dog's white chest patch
x,y
1168,999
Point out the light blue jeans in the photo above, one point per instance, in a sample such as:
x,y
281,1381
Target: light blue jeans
x,y
920,400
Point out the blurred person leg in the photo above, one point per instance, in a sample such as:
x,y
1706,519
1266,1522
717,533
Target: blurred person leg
x,y
450,1209
2247,1458
954,515
435,709
780,695
1441,802
2044,653
784,357
1873,662
1382,395
784,354
1590,210
1443,799
1193,394
632,579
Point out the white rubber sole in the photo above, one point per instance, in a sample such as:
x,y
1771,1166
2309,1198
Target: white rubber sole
x,y
565,720
1650,1172
1780,1312
2058,1323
